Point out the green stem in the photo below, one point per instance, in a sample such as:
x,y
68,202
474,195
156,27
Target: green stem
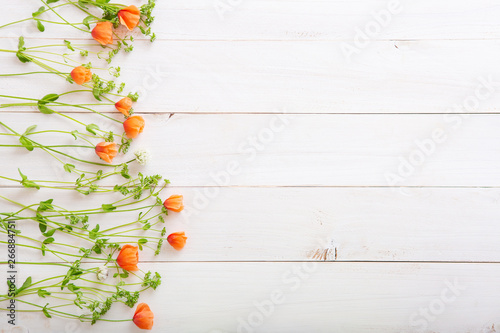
x,y
62,18
31,18
28,73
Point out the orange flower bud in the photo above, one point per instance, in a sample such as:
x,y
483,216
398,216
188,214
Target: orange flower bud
x,y
128,258
106,150
124,105
103,32
177,240
81,75
130,17
143,317
174,203
133,126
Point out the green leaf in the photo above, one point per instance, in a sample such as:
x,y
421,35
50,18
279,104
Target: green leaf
x,y
44,109
68,167
48,98
72,287
141,241
25,285
27,183
26,143
52,1
75,275
42,226
68,45
86,21
49,233
11,286
108,207
42,293
124,172
45,205
30,184
134,97
110,137
44,100
48,240
91,128
20,44
38,12
124,275
40,26
94,233
96,91
30,129
45,312
125,145
22,57
22,175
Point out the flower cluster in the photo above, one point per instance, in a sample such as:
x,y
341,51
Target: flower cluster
x,y
104,25
70,236
98,264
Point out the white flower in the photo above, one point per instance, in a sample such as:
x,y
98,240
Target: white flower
x,y
102,273
142,156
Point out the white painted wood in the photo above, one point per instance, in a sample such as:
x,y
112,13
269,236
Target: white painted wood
x,y
320,184
324,297
295,20
303,150
292,77
286,223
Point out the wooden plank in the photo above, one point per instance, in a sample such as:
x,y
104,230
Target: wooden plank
x,y
321,224
285,150
296,20
309,188
319,297
290,77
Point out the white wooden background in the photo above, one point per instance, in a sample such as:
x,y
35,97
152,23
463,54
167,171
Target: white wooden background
x,y
312,213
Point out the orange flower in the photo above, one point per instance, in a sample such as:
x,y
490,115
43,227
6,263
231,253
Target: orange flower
x,y
133,126
130,17
177,240
143,317
174,203
81,75
124,105
128,258
106,150
103,32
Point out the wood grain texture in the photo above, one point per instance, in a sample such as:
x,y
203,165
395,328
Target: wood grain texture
x,y
362,188
320,224
291,77
319,297
297,20
302,150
